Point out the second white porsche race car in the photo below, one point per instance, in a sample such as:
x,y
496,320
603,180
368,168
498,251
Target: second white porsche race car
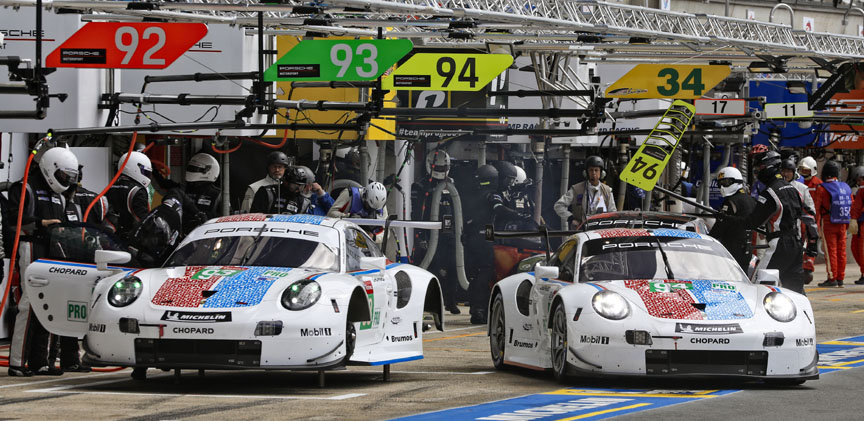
x,y
645,302
245,291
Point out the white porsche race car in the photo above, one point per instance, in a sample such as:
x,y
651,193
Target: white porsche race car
x,y
645,302
248,291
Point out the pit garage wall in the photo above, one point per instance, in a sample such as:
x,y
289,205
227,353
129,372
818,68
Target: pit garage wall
x,y
225,49
84,86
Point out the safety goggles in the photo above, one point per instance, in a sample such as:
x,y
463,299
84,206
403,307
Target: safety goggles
x,y
66,178
726,182
199,169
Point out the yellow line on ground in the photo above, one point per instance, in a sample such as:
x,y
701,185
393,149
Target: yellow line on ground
x,y
834,368
580,392
454,337
840,365
835,299
842,343
583,416
858,311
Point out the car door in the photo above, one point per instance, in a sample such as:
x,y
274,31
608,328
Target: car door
x,y
378,285
60,285
544,290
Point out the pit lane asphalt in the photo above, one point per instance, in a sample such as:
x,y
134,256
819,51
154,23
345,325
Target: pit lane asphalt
x,y
457,371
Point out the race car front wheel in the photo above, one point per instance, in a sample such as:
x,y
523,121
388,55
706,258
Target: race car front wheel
x,y
350,340
497,332
559,344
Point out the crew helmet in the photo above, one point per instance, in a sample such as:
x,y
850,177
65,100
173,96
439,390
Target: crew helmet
x,y
138,167
487,176
438,164
277,157
521,176
831,169
59,167
202,167
303,175
808,163
374,195
730,181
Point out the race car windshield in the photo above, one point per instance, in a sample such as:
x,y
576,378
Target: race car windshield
x,y
623,258
269,251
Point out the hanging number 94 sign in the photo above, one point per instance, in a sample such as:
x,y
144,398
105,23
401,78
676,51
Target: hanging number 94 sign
x,y
447,72
647,164
668,81
338,60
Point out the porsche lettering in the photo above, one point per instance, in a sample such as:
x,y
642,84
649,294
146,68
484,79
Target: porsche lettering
x,y
275,230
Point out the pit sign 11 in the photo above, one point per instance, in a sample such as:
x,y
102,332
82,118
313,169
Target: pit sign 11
x,y
126,45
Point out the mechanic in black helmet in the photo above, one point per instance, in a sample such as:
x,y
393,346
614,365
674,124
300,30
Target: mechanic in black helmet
x,y
162,229
809,230
277,164
285,197
588,197
779,209
320,201
482,208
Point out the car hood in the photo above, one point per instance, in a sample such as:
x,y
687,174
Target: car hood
x,y
217,286
690,299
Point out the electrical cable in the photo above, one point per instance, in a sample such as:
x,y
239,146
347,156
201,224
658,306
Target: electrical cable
x,y
116,176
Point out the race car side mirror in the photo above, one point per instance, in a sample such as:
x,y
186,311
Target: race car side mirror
x,y
768,277
106,257
370,263
546,272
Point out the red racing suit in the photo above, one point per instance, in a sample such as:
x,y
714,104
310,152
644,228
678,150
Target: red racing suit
x,y
833,234
857,240
811,184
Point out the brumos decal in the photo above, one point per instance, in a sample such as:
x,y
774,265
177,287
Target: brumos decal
x,y
61,270
403,338
527,345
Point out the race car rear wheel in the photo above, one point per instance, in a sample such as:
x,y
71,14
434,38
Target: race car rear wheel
x,y
497,332
559,343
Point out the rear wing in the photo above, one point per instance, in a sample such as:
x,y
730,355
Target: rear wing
x,y
542,231
392,222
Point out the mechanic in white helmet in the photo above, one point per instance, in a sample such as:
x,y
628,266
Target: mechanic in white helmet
x,y
44,206
128,198
807,169
201,174
361,202
731,229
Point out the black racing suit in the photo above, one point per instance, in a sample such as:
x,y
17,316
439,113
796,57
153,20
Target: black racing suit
x,y
278,199
443,265
207,198
731,227
98,214
481,210
30,339
779,209
128,204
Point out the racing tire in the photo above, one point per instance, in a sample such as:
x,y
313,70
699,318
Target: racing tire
x,y
350,341
497,333
559,344
139,373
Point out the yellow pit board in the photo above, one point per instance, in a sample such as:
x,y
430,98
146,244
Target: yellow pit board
x,y
650,160
447,72
668,81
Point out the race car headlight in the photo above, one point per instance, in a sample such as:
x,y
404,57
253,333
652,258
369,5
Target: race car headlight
x,y
780,307
124,291
301,295
610,305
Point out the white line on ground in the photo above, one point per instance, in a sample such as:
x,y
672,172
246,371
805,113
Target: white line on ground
x,y
58,379
454,330
70,389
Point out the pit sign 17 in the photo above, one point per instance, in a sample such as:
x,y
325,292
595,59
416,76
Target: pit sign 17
x,y
650,160
720,106
124,45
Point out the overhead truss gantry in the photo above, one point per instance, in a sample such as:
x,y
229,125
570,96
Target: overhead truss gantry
x,y
585,27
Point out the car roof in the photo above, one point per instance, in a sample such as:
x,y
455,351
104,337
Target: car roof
x,y
645,214
642,232
299,219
